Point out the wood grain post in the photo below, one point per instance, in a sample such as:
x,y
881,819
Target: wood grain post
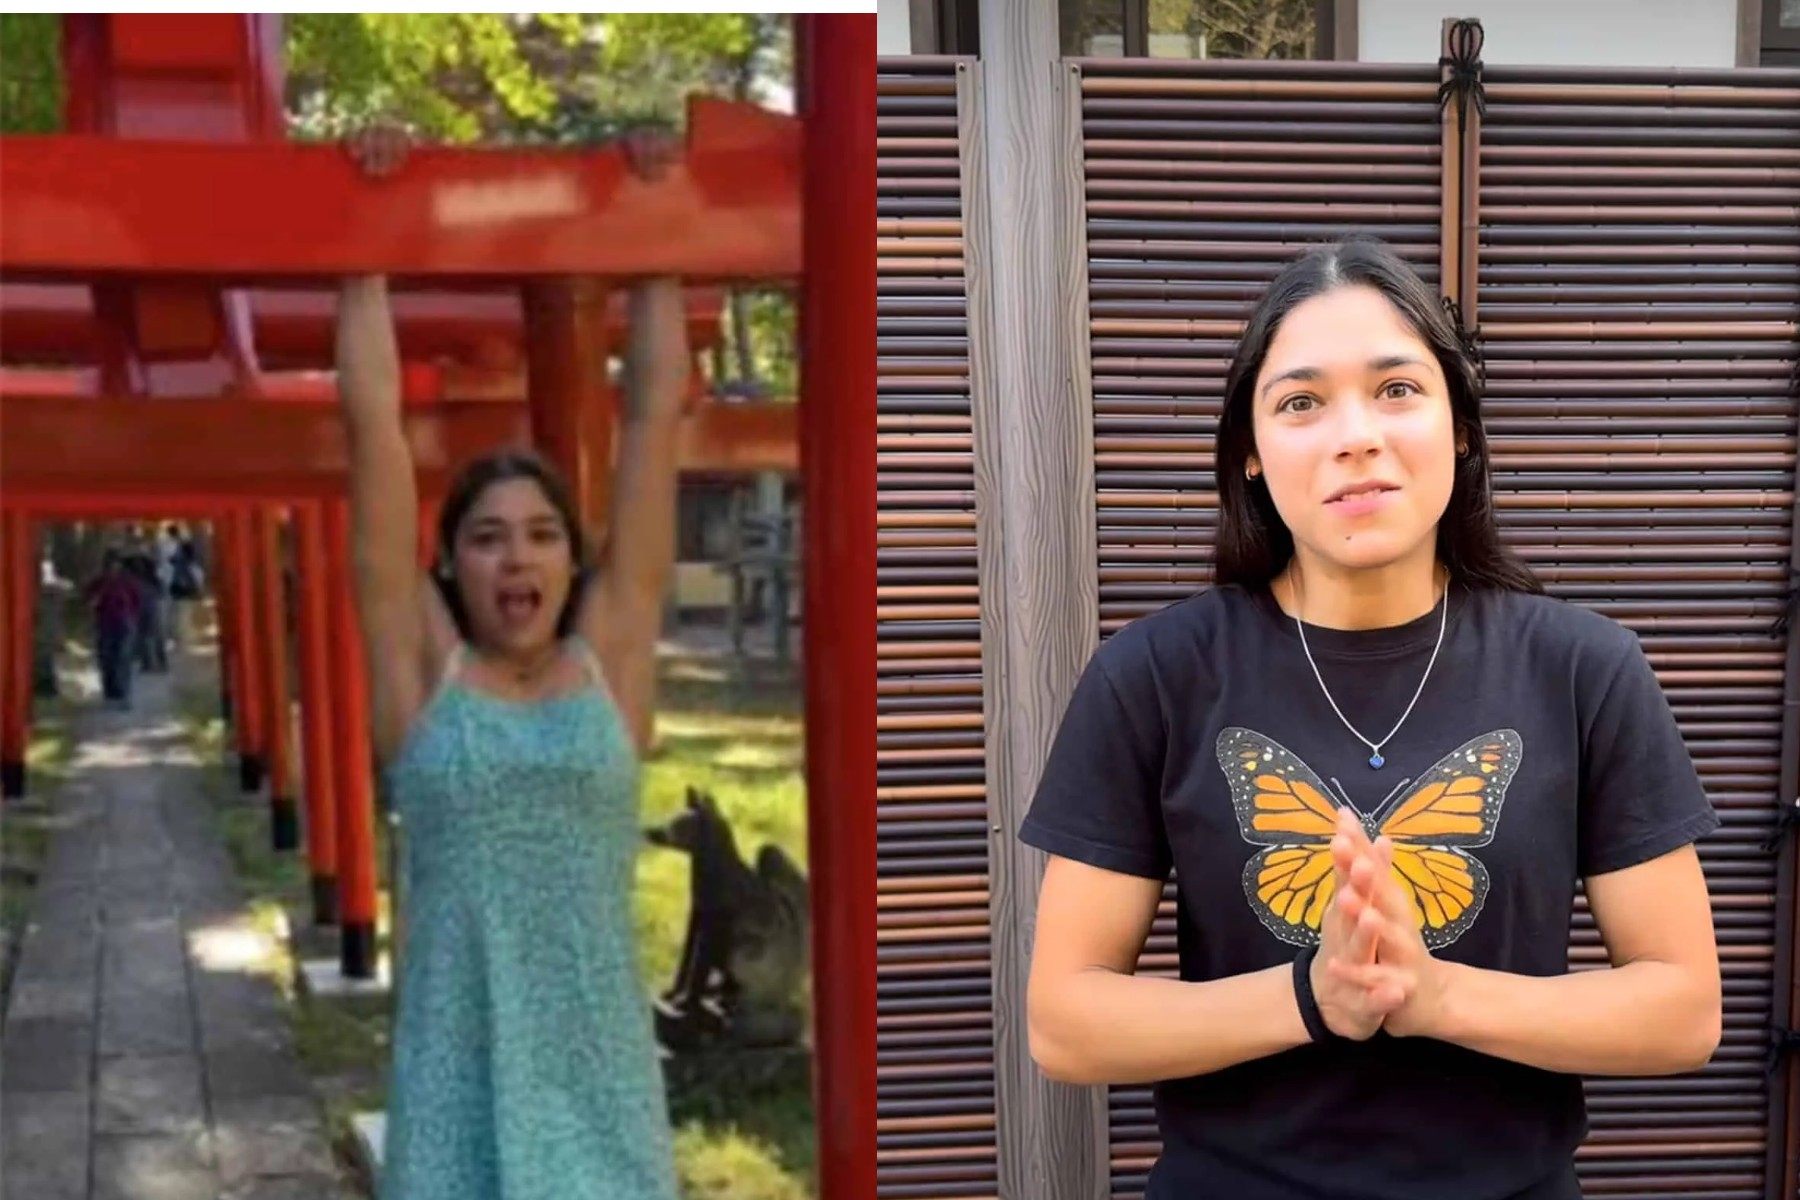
x,y
1025,260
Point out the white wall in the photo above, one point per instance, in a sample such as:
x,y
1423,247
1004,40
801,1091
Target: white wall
x,y
893,27
1626,33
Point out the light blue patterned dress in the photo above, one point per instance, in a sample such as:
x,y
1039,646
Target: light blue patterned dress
x,y
524,1057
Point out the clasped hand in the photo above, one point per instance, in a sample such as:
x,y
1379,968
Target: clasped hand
x,y
1372,970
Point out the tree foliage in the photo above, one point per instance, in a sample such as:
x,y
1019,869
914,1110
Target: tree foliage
x,y
30,73
448,75
555,77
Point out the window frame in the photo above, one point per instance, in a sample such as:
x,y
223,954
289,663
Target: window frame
x,y
1774,36
950,27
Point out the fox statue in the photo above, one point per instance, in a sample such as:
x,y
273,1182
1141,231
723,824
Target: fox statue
x,y
744,958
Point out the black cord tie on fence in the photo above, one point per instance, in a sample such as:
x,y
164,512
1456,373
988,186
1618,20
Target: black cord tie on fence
x,y
1782,1042
1790,606
1786,821
1469,339
1464,61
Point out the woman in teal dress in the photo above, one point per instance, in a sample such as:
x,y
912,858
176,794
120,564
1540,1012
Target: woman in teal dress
x,y
511,694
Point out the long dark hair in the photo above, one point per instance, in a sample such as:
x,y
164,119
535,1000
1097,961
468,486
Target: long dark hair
x,y
476,478
1253,543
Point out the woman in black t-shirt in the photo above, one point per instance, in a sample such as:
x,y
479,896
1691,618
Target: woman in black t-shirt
x,y
1377,758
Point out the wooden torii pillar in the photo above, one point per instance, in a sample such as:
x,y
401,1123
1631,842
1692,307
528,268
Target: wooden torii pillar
x,y
12,746
271,650
837,389
236,553
349,706
572,406
317,737
18,604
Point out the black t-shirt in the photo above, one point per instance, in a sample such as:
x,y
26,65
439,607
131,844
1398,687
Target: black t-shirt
x,y
1541,750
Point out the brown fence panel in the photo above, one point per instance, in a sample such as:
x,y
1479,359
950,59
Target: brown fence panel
x,y
1639,294
934,1036
1203,181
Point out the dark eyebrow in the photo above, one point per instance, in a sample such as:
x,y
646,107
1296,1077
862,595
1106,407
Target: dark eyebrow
x,y
1301,373
1376,366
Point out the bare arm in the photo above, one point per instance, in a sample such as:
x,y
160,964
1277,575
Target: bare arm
x,y
391,595
1655,1011
622,614
1092,1021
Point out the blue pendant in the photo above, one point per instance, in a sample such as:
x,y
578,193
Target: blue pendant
x,y
1375,760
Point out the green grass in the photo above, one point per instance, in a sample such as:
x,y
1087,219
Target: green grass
x,y
739,738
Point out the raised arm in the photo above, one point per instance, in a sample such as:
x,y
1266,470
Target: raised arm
x,y
622,613
390,591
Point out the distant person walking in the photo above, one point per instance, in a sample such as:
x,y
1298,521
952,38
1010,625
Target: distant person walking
x,y
152,650
116,600
187,583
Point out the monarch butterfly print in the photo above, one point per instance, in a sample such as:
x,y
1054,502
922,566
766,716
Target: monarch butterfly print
x,y
1433,821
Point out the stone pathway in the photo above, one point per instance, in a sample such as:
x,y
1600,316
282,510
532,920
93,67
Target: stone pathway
x,y
142,1059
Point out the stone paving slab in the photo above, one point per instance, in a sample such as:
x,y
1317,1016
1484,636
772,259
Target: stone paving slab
x,y
145,1020
46,1054
49,998
309,1187
68,905
44,1143
156,1167
244,1072
270,1135
150,1094
69,953
146,951
224,997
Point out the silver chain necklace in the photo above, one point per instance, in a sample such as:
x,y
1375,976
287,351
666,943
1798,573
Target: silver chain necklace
x,y
1375,759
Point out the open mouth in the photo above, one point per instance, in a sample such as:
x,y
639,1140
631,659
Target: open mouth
x,y
520,604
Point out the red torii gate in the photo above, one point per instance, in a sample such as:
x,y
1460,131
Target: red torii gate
x,y
181,207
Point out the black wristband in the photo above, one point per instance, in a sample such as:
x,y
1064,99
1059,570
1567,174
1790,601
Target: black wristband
x,y
1310,1015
